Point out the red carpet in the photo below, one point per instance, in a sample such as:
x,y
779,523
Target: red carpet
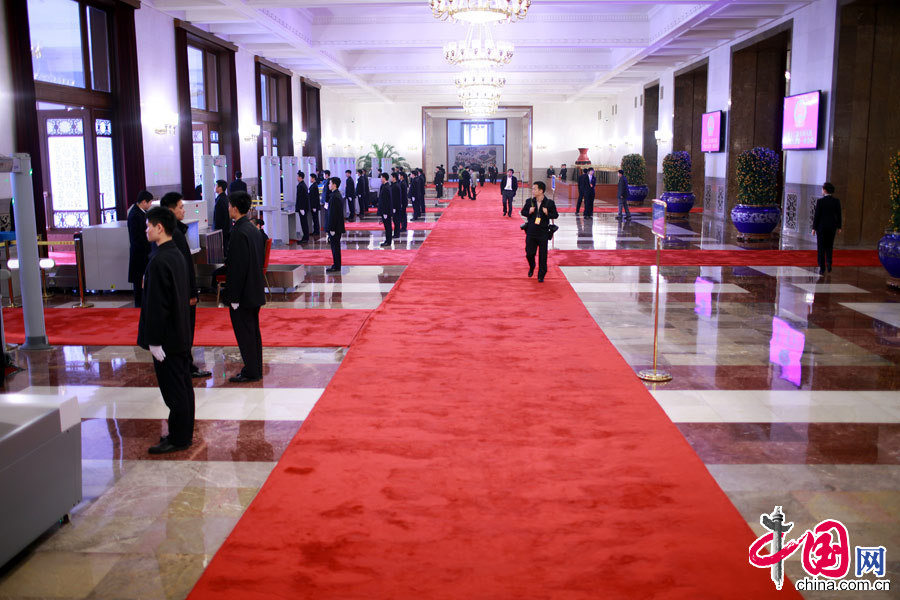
x,y
483,439
282,327
615,209
348,257
704,258
375,226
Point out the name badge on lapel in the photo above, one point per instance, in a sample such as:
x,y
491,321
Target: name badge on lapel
x,y
537,221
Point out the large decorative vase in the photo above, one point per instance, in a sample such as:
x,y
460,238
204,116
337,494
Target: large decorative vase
x,y
637,193
678,204
582,157
755,220
889,255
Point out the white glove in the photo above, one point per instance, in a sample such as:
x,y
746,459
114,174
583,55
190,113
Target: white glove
x,y
331,233
235,305
158,353
302,213
395,210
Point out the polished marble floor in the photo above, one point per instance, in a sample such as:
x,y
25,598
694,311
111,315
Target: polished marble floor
x,y
787,386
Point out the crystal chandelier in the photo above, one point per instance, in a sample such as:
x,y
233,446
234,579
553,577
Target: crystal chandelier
x,y
480,80
478,51
479,94
480,11
481,106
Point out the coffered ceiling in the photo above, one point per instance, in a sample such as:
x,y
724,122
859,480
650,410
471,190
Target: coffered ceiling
x,y
391,50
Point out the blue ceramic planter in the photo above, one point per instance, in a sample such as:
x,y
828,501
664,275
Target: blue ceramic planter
x,y
755,220
637,193
889,253
678,203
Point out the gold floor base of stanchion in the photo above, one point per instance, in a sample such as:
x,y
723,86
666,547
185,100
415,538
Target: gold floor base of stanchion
x,y
656,376
83,305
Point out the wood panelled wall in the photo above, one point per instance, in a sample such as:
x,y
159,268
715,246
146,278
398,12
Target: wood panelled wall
x,y
757,100
651,124
312,120
866,115
690,104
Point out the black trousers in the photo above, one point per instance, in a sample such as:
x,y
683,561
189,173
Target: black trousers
x,y
304,226
588,204
335,242
362,201
314,214
351,209
580,200
508,197
825,247
415,205
623,205
193,314
532,245
403,216
398,223
245,322
138,291
439,189
174,378
386,221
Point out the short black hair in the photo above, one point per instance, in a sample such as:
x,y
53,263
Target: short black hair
x,y
301,174
360,171
336,181
621,172
828,187
241,201
589,169
170,199
221,183
237,174
159,215
510,170
385,176
327,172
144,196
541,185
394,175
348,172
314,176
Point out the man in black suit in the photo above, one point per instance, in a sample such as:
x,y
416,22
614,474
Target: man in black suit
x,y
238,184
404,199
826,223
164,329
551,172
439,183
465,181
314,203
350,194
173,201
563,172
420,179
622,195
385,208
139,247
589,191
415,198
580,181
245,287
335,223
302,206
362,191
221,220
539,211
508,188
397,202
481,176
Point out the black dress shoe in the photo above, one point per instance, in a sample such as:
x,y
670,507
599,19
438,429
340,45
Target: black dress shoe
x,y
165,446
200,374
332,269
531,271
241,378
829,268
540,280
384,244
304,240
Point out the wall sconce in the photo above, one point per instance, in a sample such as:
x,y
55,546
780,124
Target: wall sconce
x,y
303,135
162,122
250,133
662,137
541,147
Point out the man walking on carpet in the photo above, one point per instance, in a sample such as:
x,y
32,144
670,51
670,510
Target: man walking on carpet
x,y
302,206
173,201
221,220
622,194
539,211
385,208
164,329
508,188
826,223
245,291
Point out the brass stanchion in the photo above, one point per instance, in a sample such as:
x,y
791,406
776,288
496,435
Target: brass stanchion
x,y
79,268
659,232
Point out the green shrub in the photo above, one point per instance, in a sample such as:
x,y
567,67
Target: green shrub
x,y
894,171
634,167
677,172
757,177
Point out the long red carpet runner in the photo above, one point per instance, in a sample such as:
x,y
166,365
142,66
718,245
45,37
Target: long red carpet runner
x,y
285,327
725,258
483,439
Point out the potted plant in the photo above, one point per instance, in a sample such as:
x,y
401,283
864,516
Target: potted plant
x,y
378,153
677,183
757,211
889,245
635,167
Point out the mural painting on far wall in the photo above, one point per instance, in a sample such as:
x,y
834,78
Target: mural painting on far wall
x,y
475,156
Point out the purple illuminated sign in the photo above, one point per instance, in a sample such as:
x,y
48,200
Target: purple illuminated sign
x,y
801,122
711,132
